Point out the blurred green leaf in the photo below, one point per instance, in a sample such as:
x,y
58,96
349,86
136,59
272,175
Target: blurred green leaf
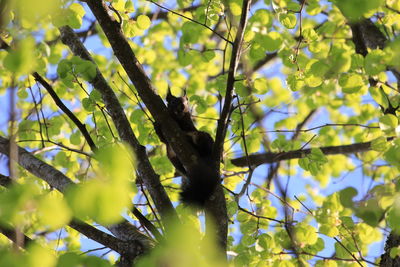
x,y
347,195
21,60
355,9
351,83
143,22
288,20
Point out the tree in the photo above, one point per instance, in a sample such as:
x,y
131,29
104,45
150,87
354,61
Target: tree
x,y
295,94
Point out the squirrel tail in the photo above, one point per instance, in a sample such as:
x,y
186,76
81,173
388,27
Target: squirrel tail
x,y
198,187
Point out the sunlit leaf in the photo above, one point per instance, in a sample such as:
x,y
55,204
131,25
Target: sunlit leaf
x,y
356,8
288,20
53,211
388,123
143,22
21,60
374,62
351,83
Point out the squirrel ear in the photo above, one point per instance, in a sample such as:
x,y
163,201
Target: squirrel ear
x,y
169,94
185,97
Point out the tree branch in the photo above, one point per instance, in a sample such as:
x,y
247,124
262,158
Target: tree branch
x,y
192,20
146,171
58,180
122,50
236,50
89,231
270,157
59,103
175,137
131,247
152,15
216,208
13,236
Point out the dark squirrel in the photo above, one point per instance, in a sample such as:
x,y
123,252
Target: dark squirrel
x,y
198,184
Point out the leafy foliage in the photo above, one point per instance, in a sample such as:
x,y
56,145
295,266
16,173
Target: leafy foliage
x,y
323,75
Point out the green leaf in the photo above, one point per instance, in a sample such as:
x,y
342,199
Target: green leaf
x,y
73,259
22,93
304,162
200,103
39,256
261,86
61,159
393,156
28,12
355,9
143,22
86,69
379,144
183,58
75,138
394,252
329,230
393,216
232,208
310,34
295,82
235,8
374,62
208,55
340,60
283,263
316,70
88,104
16,201
313,7
379,96
272,41
53,211
265,241
71,16
104,198
190,32
262,17
288,20
351,83
370,212
347,221
347,195
95,95
388,123
130,28
306,234
21,60
317,155
257,51
136,116
78,9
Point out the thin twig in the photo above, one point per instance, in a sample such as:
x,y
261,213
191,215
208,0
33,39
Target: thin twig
x,y
192,20
235,56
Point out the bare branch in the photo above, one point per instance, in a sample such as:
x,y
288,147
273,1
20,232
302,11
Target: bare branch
x,y
270,157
